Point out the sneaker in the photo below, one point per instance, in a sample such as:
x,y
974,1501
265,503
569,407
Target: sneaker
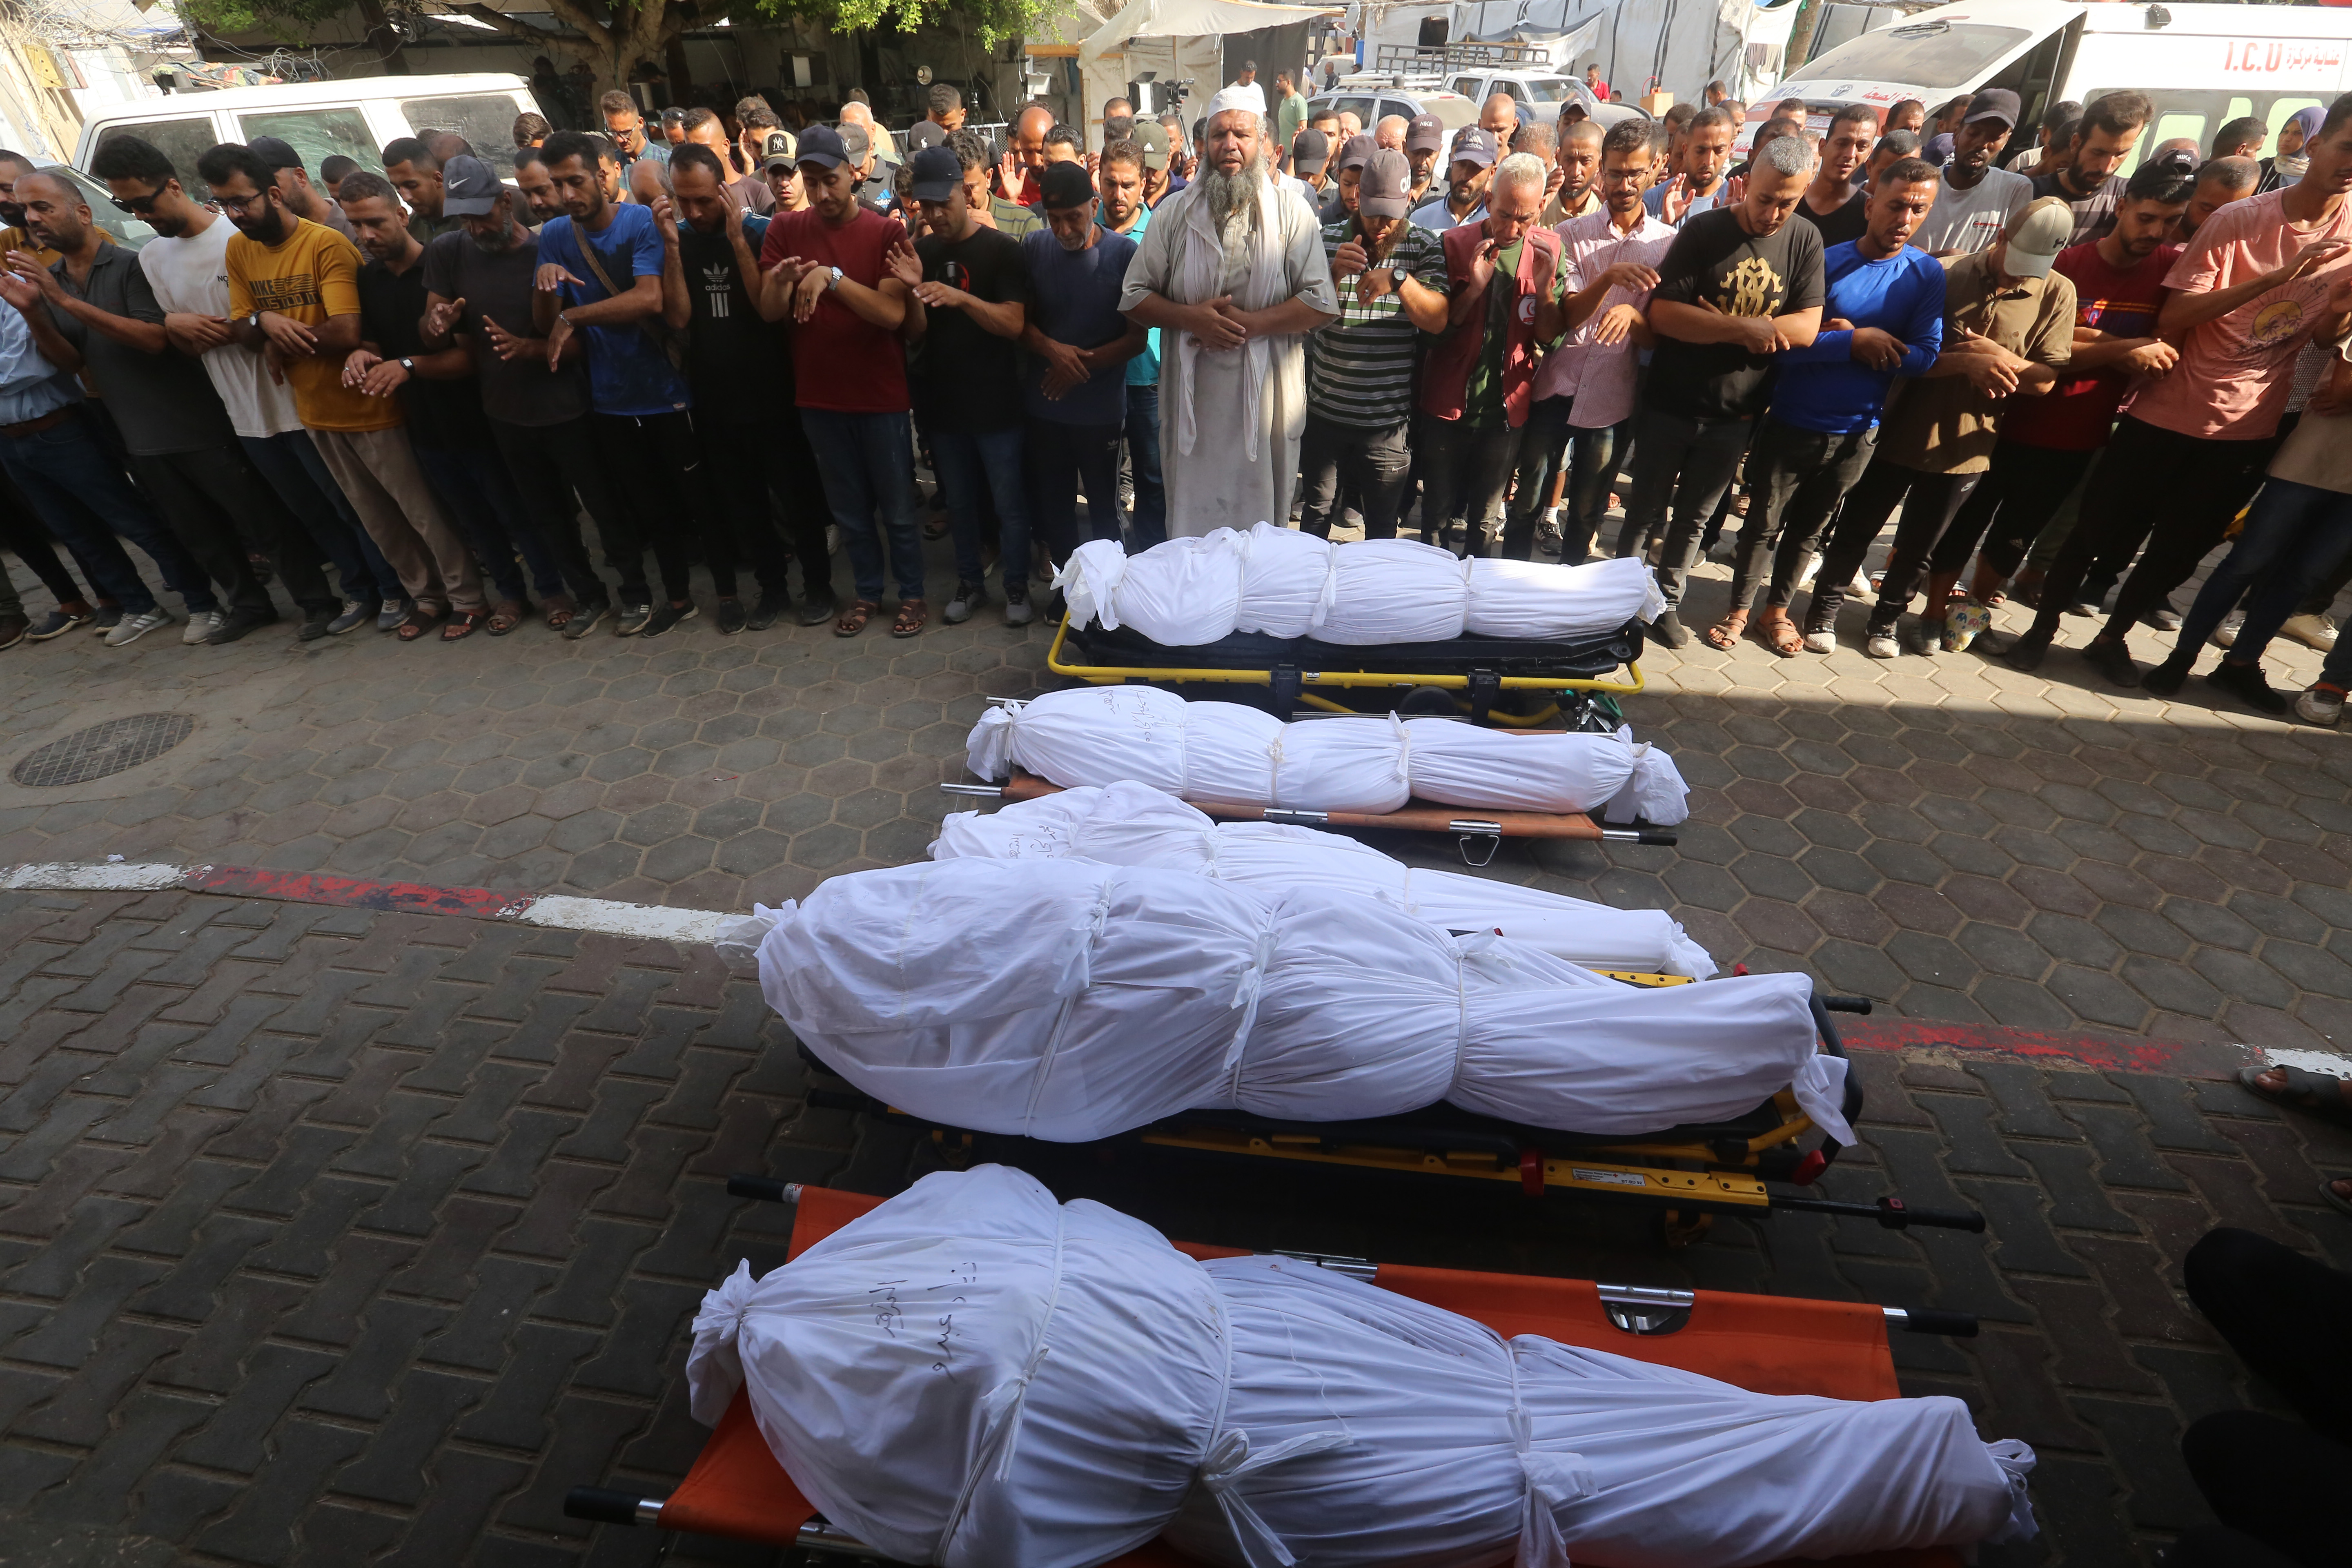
x,y
202,625
2026,651
1017,612
2113,660
316,624
1669,631
392,613
1813,564
730,617
2320,705
766,610
1924,638
586,620
13,629
2084,608
968,597
1965,620
634,618
2312,631
131,629
1882,645
1821,639
817,611
106,619
57,623
2164,619
356,614
668,616
2226,633
1861,590
2247,683
2163,679
228,628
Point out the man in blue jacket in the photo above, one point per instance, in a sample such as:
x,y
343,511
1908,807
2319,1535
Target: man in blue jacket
x,y
1883,317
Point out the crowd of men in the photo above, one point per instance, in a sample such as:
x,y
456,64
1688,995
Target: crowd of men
x,y
400,393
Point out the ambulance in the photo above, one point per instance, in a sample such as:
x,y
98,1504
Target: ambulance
x,y
2204,65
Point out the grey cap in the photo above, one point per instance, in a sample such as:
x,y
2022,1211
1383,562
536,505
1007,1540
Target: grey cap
x,y
469,189
854,141
1385,188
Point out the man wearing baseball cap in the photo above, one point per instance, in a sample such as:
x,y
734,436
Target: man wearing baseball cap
x,y
780,166
1348,180
1424,139
1390,274
1976,197
1310,155
2008,323
1471,165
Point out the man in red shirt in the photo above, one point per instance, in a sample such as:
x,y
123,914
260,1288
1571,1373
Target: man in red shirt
x,y
2049,443
2262,278
827,271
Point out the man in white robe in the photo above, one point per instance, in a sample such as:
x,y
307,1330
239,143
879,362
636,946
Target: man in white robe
x,y
1232,272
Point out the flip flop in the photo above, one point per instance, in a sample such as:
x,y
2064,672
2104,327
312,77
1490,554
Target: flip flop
x,y
2317,1093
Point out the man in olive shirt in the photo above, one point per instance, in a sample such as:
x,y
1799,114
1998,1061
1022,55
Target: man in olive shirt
x,y
2009,327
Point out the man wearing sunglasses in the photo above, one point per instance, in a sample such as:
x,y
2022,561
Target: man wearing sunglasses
x,y
186,270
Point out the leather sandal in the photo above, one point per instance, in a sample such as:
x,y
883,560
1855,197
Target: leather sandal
x,y
913,617
417,624
1726,633
462,625
505,616
853,619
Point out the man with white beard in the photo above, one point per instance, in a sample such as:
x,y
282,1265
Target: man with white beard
x,y
1232,271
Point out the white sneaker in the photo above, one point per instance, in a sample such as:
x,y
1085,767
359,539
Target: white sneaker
x,y
2320,705
202,626
2312,631
2226,633
1821,642
134,627
1861,589
1883,645
1813,564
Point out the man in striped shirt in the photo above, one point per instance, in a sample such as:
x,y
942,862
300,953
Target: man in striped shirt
x,y
1390,278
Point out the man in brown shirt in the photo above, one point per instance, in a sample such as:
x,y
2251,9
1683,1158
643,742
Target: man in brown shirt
x,y
2008,323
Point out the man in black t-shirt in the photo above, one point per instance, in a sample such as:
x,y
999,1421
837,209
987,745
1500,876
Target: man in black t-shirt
x,y
447,428
1832,202
969,301
477,284
741,402
1740,285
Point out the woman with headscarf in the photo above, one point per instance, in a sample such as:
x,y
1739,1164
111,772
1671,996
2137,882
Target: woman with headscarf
x,y
2287,166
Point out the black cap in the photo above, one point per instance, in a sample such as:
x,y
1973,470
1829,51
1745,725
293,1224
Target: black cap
x,y
821,144
1993,103
1309,151
923,133
274,152
938,172
1067,185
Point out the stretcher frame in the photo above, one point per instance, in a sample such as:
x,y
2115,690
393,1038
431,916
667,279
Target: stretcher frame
x,y
738,1490
1287,668
1686,1174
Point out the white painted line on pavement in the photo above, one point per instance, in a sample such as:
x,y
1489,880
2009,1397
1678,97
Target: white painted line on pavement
x,y
653,922
2327,1062
121,877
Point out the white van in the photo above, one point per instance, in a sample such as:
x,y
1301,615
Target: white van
x,y
321,119
2204,65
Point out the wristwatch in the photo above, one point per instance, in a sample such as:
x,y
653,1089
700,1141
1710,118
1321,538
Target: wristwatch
x,y
835,281
1397,274
408,364
253,321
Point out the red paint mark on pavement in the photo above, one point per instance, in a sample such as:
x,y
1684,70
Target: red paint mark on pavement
x,y
251,882
2117,1052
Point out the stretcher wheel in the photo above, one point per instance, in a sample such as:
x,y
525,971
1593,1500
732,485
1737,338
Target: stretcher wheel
x,y
1428,702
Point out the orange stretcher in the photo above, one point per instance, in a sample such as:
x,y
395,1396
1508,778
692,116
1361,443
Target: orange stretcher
x,y
1769,1344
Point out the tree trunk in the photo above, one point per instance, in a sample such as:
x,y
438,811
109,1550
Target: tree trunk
x,y
382,39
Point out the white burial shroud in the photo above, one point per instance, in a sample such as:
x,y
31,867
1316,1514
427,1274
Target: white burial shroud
x,y
1071,1000
1284,584
973,1377
1223,751
1133,824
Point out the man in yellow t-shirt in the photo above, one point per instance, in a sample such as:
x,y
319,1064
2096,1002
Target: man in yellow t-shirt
x,y
293,288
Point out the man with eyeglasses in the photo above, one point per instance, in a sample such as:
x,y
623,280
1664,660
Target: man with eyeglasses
x,y
187,270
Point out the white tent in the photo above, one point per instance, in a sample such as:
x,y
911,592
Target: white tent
x,y
1685,44
1175,39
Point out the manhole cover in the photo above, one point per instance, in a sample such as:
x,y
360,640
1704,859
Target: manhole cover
x,y
102,750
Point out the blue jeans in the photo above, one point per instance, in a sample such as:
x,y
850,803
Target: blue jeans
x,y
78,489
864,458
966,462
2294,537
289,461
479,493
1149,518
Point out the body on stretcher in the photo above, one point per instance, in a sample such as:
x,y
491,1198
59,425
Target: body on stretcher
x,y
737,1490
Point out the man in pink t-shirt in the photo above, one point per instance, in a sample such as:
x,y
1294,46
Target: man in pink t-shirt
x,y
2260,278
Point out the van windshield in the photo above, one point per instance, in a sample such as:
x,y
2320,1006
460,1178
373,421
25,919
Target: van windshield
x,y
1919,53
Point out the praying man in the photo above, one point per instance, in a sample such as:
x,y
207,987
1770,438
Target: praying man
x,y
1232,272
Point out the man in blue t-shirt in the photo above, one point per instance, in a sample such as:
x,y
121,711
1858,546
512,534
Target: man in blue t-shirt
x,y
1074,377
1122,177
1883,317
610,284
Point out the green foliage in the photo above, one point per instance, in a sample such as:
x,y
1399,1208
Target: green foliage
x,y
992,21
290,21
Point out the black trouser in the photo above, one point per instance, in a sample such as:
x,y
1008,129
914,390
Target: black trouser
x,y
1687,463
1061,459
2286,1318
2021,494
2175,492
21,535
1465,470
797,483
650,462
204,496
1371,462
1799,475
1929,501
557,473
733,496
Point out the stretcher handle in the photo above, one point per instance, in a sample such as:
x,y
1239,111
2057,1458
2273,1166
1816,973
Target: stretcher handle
x,y
1851,1107
767,1189
1859,1005
1660,837
1892,1213
603,1505
1929,1320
